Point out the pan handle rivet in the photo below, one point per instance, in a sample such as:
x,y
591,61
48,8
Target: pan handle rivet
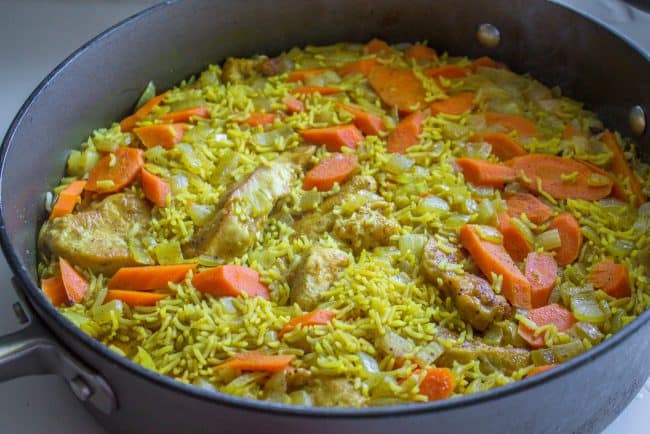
x,y
637,120
488,35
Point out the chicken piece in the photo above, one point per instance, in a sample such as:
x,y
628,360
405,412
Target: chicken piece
x,y
97,238
275,66
243,211
237,70
314,275
473,296
506,360
367,228
335,392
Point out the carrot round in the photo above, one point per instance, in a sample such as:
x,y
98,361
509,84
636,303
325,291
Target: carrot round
x,y
335,168
503,146
369,124
230,280
420,53
334,138
257,361
186,115
539,369
405,133
481,172
562,178
68,199
315,317
75,285
165,135
155,189
621,168
493,259
454,105
570,237
377,46
54,290
438,383
323,90
448,71
520,124
523,203
397,87
304,74
121,171
545,315
294,105
611,277
363,66
570,131
128,123
134,298
515,243
484,62
541,272
149,277
256,119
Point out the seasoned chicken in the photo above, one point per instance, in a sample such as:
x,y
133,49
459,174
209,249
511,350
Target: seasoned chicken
x,y
335,392
236,70
243,211
367,228
395,345
473,295
315,274
506,360
98,237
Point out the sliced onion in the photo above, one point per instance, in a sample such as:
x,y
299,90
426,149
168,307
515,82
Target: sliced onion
x,y
585,307
428,354
398,163
413,244
369,363
549,240
585,330
432,204
102,313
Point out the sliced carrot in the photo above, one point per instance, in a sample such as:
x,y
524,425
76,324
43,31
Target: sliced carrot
x,y
230,281
121,169
621,168
135,298
397,87
539,369
447,71
257,361
149,277
514,241
611,277
493,259
54,290
562,178
483,62
155,189
438,383
363,66
75,285
520,124
334,138
503,146
368,123
523,203
333,169
545,315
570,237
256,119
570,131
541,272
304,74
294,105
68,199
186,115
315,317
128,123
377,46
323,90
481,172
454,105
421,54
165,135
406,133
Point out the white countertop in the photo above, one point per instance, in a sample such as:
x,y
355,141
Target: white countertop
x,y
35,35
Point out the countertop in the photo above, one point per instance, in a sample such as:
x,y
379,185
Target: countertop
x,y
35,35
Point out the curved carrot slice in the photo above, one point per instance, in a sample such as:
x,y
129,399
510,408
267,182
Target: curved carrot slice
x,y
523,203
377,46
129,122
484,62
397,87
570,236
448,71
149,278
369,124
481,172
570,131
421,54
562,178
186,115
335,168
68,199
363,66
315,317
230,280
514,241
438,383
75,285
539,369
611,277
621,168
304,74
454,105
294,105
257,361
541,272
54,290
121,171
165,135
549,314
503,146
493,259
334,138
135,298
405,133
520,124
256,119
155,189
323,90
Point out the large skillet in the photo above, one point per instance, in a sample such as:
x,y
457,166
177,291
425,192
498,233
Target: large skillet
x,y
167,43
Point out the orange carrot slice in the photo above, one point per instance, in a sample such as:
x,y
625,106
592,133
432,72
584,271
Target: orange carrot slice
x,y
438,383
165,135
448,71
68,199
315,317
421,54
135,298
520,124
155,189
186,115
294,105
611,277
481,172
304,74
333,169
621,168
570,237
454,105
549,314
570,131
121,169
334,138
523,203
128,123
54,290
541,272
514,241
256,119
539,369
257,361
377,46
484,62
406,133
363,66
397,88
323,90
503,146
75,285
149,277
230,281
369,124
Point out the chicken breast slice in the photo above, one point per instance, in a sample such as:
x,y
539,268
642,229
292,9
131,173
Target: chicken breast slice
x,y
506,360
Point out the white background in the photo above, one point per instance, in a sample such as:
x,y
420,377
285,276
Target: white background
x,y
35,35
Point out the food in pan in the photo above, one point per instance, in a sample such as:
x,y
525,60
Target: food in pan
x,y
351,225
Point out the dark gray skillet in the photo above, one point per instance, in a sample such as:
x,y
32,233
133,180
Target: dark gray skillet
x,y
169,42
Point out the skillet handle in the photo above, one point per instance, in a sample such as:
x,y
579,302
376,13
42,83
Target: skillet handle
x,y
33,350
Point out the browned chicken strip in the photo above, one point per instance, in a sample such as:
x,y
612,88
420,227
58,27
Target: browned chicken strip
x,y
506,360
